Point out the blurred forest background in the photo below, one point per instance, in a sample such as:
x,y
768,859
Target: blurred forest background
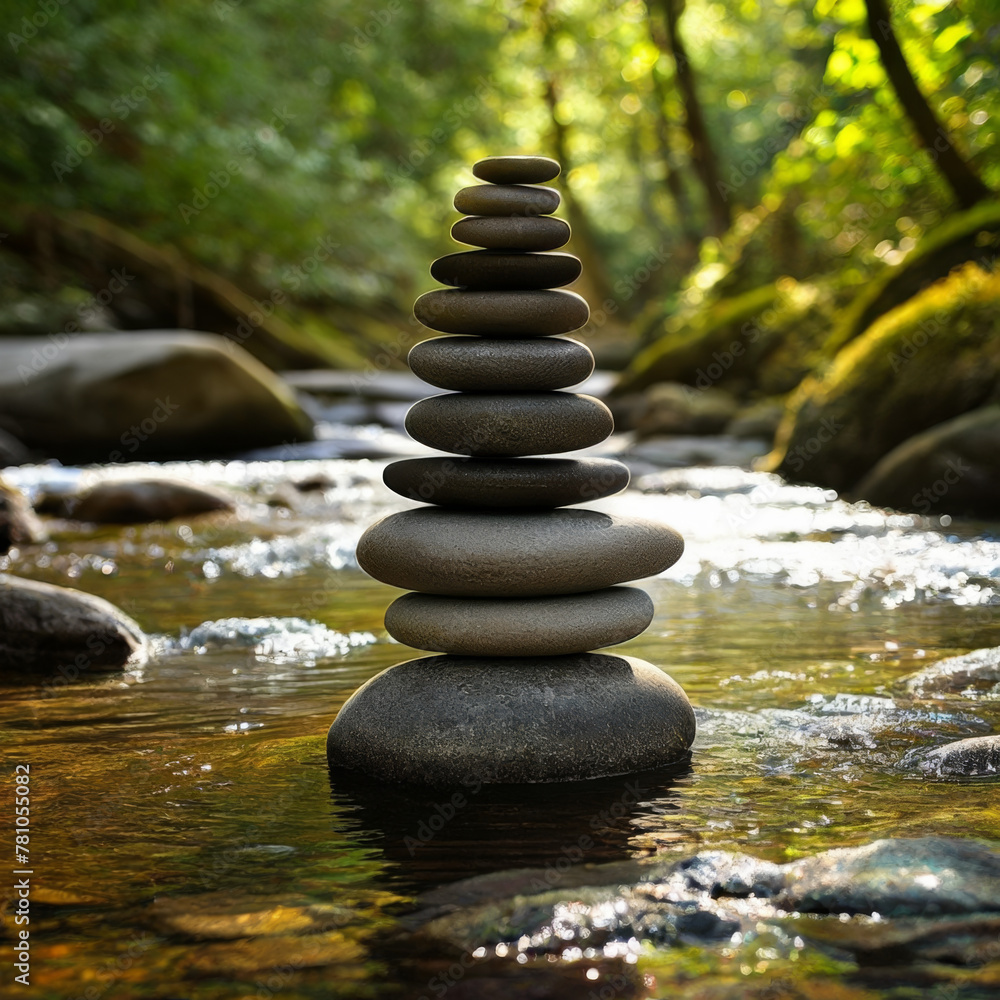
x,y
753,186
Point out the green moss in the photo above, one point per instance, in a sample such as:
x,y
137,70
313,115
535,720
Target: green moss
x,y
973,235
932,358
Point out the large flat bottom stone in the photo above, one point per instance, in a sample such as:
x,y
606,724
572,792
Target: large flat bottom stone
x,y
444,719
513,626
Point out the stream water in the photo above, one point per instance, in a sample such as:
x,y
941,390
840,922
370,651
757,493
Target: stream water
x,y
185,828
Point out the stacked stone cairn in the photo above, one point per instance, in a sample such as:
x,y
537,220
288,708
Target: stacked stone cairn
x,y
512,586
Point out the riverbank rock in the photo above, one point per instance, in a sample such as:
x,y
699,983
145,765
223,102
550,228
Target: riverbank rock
x,y
115,397
756,341
949,468
913,885
63,632
976,672
140,501
671,408
18,524
975,757
929,360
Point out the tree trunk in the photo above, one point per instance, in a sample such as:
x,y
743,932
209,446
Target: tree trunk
x,y
702,153
959,175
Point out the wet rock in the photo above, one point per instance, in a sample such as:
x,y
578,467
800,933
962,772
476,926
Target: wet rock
x,y
116,397
440,719
484,364
511,232
533,313
976,756
18,524
494,424
925,876
245,957
951,467
955,940
720,873
49,628
516,169
229,915
976,672
524,554
911,884
141,501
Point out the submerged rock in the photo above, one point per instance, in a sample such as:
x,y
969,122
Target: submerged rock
x,y
974,672
55,629
975,757
140,501
115,397
910,884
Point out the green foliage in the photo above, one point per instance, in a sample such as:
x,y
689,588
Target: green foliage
x,y
252,134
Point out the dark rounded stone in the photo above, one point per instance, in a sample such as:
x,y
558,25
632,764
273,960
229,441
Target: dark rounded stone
x,y
530,553
519,626
506,482
531,423
498,232
516,169
442,719
64,633
978,755
481,364
507,199
493,269
537,313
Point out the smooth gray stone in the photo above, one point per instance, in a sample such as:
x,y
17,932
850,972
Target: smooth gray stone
x,y
519,626
141,501
531,553
516,169
534,313
496,269
64,633
507,199
506,482
483,364
492,424
442,719
511,232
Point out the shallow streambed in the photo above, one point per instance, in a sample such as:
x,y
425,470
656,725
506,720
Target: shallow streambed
x,y
187,839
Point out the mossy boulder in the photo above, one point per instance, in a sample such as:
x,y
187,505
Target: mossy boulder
x,y
115,397
930,359
951,468
757,342
973,235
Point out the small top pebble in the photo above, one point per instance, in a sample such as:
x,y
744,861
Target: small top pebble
x,y
516,169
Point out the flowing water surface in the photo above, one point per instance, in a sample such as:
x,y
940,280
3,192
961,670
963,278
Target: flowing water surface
x,y
187,839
